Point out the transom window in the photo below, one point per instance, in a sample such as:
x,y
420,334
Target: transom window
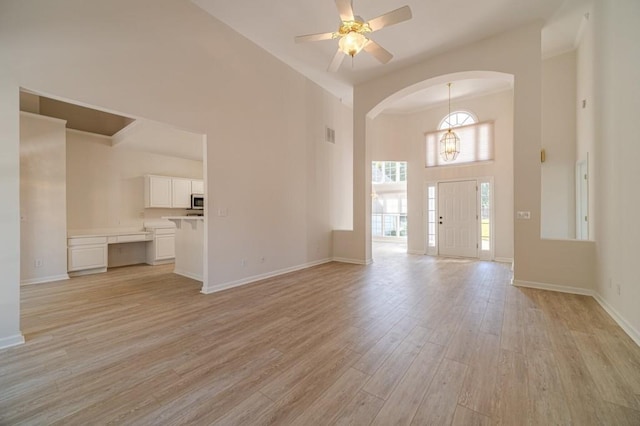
x,y
456,119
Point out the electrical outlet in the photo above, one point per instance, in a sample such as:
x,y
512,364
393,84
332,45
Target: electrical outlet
x,y
38,263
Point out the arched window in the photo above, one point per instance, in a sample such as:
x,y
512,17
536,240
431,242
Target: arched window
x,y
476,140
456,119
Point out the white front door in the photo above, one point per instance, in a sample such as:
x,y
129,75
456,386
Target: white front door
x,y
457,219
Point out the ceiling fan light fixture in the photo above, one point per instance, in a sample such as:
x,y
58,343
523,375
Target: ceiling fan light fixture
x,y
352,43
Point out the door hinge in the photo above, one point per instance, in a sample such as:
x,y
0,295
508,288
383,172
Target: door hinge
x,y
477,245
585,219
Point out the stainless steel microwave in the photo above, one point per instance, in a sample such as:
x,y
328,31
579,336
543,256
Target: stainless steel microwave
x,y
197,202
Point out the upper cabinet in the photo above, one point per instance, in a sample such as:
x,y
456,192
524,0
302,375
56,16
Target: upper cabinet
x,y
157,191
181,193
197,187
170,192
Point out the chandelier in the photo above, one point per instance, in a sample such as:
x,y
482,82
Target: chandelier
x,y
450,142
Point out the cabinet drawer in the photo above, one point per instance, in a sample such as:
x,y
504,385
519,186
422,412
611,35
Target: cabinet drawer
x,y
131,238
87,257
165,231
83,241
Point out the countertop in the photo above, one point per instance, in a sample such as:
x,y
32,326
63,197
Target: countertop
x,y
72,233
183,217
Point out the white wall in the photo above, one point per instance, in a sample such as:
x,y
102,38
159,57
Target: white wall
x,y
401,137
617,61
105,184
558,204
267,162
43,226
537,261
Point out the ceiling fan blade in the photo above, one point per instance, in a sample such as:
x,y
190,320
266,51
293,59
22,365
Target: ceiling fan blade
x,y
345,10
313,37
337,61
390,18
378,52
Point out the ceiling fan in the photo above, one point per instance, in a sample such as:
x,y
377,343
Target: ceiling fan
x,y
352,33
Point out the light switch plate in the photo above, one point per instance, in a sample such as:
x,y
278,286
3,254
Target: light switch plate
x,y
523,215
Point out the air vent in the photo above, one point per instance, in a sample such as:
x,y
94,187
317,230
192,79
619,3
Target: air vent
x,y
330,135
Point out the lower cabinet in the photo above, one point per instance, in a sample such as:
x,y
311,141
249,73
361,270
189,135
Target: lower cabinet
x,y
86,253
162,248
165,247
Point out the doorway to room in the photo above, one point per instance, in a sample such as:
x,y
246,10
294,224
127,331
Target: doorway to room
x,y
389,222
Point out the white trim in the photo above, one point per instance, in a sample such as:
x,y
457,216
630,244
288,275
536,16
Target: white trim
x,y
15,340
419,252
45,279
503,259
554,287
87,272
354,261
248,280
623,323
43,117
91,134
188,274
613,313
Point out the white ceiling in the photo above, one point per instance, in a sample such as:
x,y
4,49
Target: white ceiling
x,y
436,26
438,94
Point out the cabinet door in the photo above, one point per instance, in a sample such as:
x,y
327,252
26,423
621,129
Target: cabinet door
x,y
197,187
158,191
87,257
165,247
181,197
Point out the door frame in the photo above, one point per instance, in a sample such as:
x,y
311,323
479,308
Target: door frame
x,y
434,250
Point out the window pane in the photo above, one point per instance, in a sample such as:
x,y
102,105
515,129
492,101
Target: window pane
x,y
403,171
485,216
403,226
390,171
376,225
377,174
390,225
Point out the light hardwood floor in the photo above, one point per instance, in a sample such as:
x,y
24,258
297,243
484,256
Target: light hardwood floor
x,y
407,340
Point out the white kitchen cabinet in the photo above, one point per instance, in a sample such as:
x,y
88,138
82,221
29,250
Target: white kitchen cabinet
x,y
158,191
165,247
180,193
197,187
87,253
162,247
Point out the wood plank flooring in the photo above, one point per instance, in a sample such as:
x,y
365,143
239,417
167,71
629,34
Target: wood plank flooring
x,y
408,340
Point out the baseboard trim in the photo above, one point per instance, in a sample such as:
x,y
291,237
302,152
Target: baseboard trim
x,y
45,279
10,341
87,272
353,261
503,259
254,278
628,328
187,274
553,287
613,313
